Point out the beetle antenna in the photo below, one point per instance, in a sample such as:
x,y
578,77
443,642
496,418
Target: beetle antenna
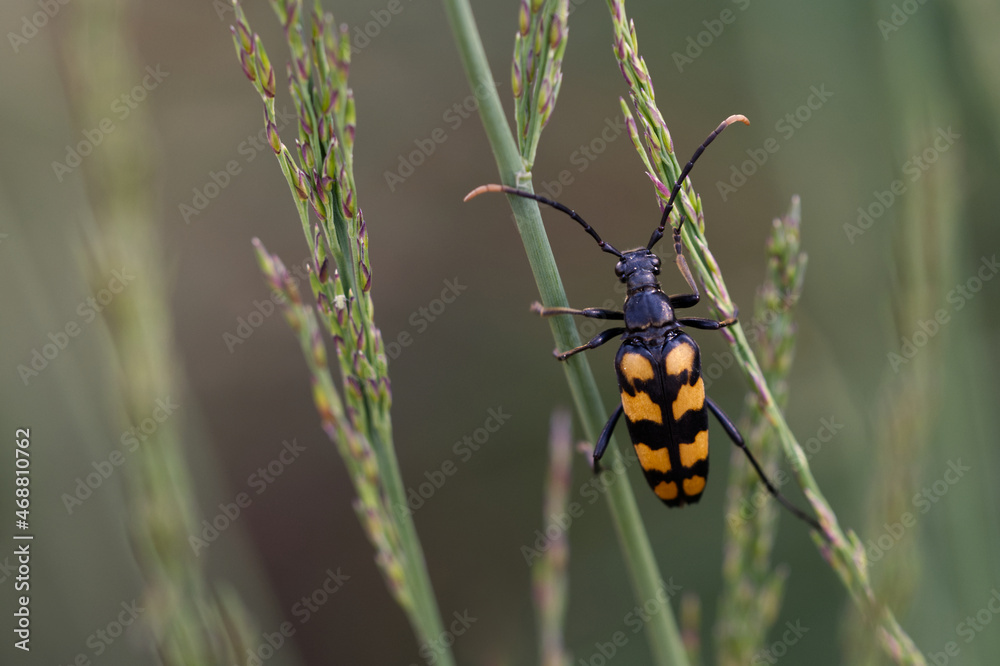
x,y
607,247
658,234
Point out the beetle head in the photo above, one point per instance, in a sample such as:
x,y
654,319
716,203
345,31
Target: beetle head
x,y
638,269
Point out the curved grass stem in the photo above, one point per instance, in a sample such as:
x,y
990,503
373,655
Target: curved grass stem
x,y
662,632
845,553
320,175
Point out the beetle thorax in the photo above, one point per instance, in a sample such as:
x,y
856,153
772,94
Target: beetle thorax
x,y
648,310
638,270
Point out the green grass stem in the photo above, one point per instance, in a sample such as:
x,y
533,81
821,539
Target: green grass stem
x,y
844,552
662,631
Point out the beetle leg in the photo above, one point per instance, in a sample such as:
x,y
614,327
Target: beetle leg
x,y
593,313
734,435
602,441
684,301
682,266
597,341
706,324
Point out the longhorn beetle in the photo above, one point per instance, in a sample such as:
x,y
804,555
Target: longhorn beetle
x,y
658,365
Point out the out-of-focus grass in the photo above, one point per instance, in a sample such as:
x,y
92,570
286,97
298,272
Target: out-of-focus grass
x,y
187,618
514,162
763,65
320,178
921,511
550,583
751,599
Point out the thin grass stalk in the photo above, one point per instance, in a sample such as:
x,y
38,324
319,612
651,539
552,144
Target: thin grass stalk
x,y
844,552
752,590
691,626
907,404
662,632
549,576
320,175
974,35
189,622
911,398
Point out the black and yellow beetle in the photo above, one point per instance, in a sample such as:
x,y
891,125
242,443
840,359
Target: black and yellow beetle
x,y
658,365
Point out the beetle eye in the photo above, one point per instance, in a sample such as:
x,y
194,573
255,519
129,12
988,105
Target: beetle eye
x,y
656,264
619,269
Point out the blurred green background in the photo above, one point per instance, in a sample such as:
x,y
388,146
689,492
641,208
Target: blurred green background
x,y
894,75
